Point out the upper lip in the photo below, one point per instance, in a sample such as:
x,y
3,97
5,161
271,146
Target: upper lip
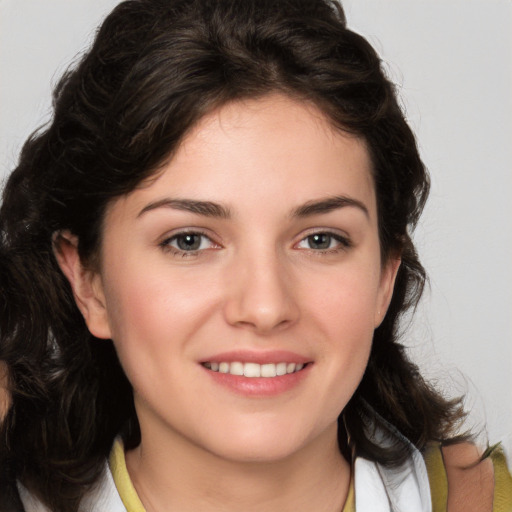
x,y
259,357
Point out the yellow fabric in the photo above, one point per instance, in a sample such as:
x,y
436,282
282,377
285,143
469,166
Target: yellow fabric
x,y
502,482
439,485
350,503
437,477
122,480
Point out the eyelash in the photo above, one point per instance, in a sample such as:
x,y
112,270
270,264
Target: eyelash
x,y
344,243
176,251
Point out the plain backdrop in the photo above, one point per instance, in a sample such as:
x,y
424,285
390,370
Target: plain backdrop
x,y
452,62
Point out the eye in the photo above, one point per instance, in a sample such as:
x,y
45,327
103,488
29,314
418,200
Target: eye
x,y
188,242
323,241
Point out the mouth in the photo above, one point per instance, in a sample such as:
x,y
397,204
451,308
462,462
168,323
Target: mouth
x,y
255,370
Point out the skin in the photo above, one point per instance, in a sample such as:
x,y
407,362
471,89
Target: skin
x,y
5,398
258,282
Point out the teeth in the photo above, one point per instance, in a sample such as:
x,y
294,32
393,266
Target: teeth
x,y
281,369
254,369
236,369
268,370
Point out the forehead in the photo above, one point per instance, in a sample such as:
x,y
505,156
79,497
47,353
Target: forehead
x,y
261,152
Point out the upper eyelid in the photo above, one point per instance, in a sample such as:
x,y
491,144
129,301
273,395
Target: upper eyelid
x,y
328,231
166,243
341,236
170,235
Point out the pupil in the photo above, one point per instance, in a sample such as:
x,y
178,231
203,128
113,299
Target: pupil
x,y
319,241
189,242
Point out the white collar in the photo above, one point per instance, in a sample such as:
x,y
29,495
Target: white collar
x,y
402,489
405,488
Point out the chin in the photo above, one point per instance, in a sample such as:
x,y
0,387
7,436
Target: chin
x,y
268,443
258,452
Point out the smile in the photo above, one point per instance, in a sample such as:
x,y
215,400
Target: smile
x,y
250,370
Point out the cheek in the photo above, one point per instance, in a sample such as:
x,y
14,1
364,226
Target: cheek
x,y
343,308
155,310
347,301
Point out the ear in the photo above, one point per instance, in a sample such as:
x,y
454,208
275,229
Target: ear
x,y
387,283
86,284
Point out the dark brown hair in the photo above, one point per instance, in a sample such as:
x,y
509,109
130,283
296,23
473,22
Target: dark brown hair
x,y
155,68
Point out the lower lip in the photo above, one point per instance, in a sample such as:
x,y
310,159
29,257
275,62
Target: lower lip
x,y
259,386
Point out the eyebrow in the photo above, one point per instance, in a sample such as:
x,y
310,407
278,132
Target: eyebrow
x,y
327,205
211,209
204,208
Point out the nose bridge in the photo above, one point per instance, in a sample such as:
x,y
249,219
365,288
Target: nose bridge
x,y
261,292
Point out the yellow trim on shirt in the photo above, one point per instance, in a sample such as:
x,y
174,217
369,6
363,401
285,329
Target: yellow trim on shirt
x,y
350,503
502,482
437,477
124,485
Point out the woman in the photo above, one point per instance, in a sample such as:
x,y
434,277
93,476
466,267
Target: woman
x,y
204,260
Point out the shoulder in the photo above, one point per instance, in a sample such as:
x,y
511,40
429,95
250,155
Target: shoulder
x,y
462,479
450,478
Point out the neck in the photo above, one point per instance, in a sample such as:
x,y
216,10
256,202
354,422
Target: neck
x,y
172,474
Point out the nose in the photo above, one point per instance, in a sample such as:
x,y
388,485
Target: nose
x,y
261,294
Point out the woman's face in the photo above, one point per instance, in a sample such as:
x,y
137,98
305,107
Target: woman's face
x,y
256,252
